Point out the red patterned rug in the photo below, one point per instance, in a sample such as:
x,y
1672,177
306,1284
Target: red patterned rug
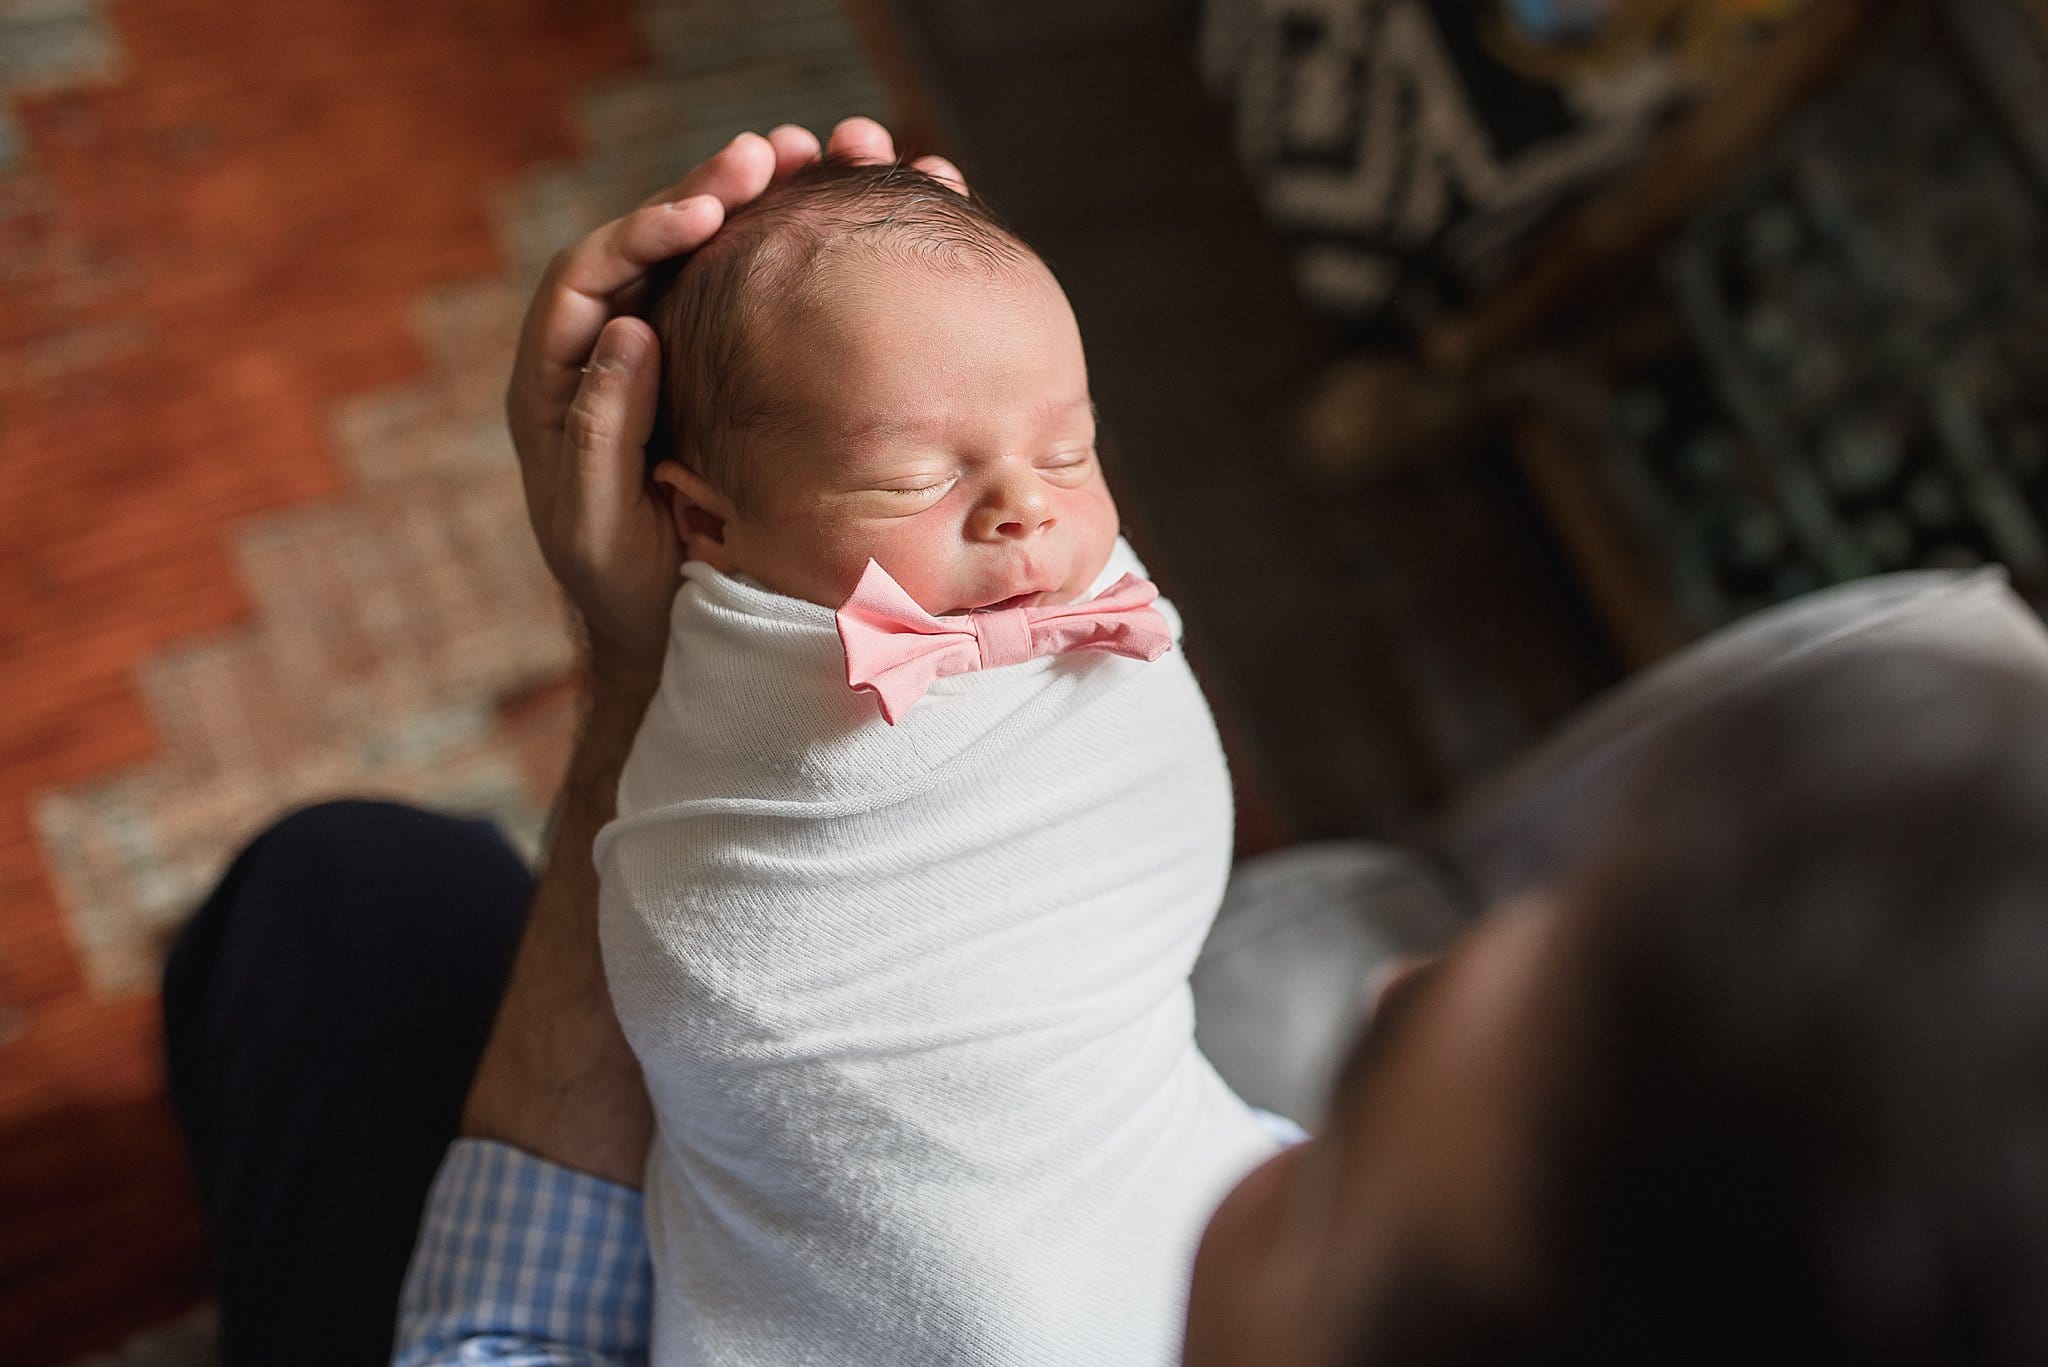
x,y
260,268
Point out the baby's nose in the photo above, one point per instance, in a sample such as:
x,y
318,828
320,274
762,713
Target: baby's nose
x,y
1015,512
1016,528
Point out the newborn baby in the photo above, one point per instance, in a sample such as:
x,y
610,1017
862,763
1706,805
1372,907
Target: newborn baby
x,y
906,970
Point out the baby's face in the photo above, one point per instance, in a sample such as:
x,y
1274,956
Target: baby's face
x,y
942,426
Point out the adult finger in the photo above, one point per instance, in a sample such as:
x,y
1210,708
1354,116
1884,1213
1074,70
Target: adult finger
x,y
733,175
574,300
938,168
861,139
795,148
678,220
608,259
609,422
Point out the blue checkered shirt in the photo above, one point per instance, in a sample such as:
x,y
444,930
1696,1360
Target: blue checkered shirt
x,y
522,1263
525,1264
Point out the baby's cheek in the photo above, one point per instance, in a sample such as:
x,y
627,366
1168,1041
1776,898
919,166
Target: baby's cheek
x,y
916,555
1097,523
923,556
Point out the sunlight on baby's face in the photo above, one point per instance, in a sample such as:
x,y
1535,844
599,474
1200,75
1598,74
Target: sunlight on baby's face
x,y
937,419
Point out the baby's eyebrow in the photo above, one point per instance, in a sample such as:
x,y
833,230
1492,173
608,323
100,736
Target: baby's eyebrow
x,y
1058,407
892,427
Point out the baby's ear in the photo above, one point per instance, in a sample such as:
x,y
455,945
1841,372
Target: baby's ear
x,y
701,512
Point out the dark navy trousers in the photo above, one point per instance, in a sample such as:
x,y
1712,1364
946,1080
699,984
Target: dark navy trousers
x,y
323,1015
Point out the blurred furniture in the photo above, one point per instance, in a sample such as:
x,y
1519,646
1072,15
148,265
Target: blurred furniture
x,y
1416,154
1800,344
1410,151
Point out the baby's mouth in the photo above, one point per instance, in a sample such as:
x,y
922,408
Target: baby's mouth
x,y
1017,600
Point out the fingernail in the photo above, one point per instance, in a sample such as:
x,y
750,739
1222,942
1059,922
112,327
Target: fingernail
x,y
619,349
677,206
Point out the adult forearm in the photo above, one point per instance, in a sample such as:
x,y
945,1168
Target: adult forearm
x,y
557,1078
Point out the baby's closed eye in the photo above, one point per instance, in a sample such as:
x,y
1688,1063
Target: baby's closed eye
x,y
923,484
1067,464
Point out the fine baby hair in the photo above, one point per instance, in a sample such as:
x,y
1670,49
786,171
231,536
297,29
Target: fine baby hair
x,y
712,309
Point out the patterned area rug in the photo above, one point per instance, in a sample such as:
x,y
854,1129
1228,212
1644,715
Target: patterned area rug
x,y
260,271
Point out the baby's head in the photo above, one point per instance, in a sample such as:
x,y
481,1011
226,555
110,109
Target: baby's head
x,y
864,364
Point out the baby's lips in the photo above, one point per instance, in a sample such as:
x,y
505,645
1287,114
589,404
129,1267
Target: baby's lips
x,y
1028,598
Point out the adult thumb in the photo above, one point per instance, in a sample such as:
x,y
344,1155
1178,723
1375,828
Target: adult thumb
x,y
609,423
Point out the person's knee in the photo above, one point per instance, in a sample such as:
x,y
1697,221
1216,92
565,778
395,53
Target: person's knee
x,y
374,856
348,838
354,926
340,875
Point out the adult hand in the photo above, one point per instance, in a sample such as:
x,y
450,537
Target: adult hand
x,y
582,395
557,1077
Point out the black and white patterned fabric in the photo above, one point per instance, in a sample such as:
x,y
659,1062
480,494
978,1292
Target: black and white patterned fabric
x,y
1407,150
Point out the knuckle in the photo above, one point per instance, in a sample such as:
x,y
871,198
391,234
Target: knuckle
x,y
593,421
590,438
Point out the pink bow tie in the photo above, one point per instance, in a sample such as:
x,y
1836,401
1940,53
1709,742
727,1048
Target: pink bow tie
x,y
895,649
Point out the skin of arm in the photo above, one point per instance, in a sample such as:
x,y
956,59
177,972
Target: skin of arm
x,y
557,1078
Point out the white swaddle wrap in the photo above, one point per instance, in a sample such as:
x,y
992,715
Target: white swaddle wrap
x,y
912,1001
